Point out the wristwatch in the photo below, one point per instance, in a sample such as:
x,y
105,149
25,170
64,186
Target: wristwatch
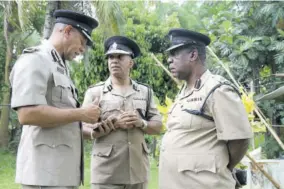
x,y
144,124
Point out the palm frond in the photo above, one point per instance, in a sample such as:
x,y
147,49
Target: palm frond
x,y
110,16
279,57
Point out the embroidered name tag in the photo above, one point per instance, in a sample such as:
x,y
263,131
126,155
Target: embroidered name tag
x,y
60,70
194,99
135,98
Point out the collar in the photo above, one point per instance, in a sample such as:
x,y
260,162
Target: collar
x,y
54,53
202,80
197,86
108,85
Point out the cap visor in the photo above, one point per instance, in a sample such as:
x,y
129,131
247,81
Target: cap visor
x,y
89,39
174,47
117,51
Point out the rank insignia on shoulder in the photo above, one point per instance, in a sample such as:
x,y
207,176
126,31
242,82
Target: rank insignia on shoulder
x,y
30,50
60,70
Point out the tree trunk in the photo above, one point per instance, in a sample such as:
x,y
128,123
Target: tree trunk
x,y
49,19
4,119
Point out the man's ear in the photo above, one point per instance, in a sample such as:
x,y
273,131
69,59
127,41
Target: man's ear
x,y
193,55
67,30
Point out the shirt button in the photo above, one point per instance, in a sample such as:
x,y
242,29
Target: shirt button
x,y
195,170
129,143
53,146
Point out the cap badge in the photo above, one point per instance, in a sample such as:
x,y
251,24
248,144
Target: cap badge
x,y
113,46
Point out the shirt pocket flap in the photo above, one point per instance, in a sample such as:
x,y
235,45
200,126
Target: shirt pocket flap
x,y
197,163
108,105
145,147
52,137
102,150
60,80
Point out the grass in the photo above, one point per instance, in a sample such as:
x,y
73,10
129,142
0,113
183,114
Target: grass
x,y
7,172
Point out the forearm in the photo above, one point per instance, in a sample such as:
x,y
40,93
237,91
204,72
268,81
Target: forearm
x,y
237,149
154,128
47,116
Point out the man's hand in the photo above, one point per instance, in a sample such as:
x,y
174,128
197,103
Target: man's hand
x,y
91,113
128,120
103,128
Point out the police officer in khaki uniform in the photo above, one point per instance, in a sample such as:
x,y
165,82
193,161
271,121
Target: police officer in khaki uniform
x,y
119,155
206,137
50,151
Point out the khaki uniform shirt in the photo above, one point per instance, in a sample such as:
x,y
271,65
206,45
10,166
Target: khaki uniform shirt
x,y
121,156
46,156
194,152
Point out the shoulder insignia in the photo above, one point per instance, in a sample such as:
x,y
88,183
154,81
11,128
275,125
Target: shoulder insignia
x,y
97,84
143,84
30,50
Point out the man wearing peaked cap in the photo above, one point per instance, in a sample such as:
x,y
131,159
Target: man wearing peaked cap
x,y
82,23
50,153
121,45
120,154
183,37
208,130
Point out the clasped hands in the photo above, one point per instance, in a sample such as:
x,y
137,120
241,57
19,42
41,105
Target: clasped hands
x,y
126,120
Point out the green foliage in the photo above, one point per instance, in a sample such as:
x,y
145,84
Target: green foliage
x,y
115,21
271,148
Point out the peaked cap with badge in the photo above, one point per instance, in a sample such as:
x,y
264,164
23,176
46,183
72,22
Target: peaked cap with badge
x,y
180,37
85,24
121,45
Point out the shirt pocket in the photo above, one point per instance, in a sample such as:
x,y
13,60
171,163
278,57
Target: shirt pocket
x,y
198,169
110,107
197,163
62,92
53,148
101,155
52,137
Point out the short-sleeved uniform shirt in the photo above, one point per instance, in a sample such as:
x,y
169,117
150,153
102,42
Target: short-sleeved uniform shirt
x,y
194,151
46,156
121,156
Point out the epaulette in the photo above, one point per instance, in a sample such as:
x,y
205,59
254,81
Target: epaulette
x,y
148,100
148,86
30,50
96,85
